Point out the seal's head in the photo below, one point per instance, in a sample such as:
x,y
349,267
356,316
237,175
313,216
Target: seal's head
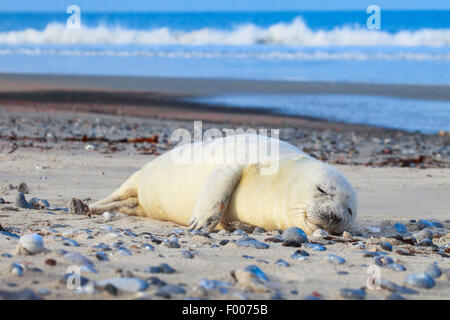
x,y
326,200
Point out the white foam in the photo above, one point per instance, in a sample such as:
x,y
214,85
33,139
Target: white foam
x,y
317,55
296,33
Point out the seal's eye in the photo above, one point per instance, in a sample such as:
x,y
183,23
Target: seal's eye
x,y
321,190
350,211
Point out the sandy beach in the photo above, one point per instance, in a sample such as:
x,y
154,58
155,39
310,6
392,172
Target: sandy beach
x,y
65,154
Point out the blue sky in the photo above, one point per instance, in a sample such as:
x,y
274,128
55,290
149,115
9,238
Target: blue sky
x,y
217,5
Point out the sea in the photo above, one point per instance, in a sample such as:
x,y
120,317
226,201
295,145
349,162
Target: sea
x,y
410,47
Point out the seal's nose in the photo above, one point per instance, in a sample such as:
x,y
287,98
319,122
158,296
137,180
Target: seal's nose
x,y
334,219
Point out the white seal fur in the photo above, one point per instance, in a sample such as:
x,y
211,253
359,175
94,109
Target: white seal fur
x,y
211,193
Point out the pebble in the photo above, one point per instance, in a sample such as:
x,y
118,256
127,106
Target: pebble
x,y
281,263
2,201
23,188
294,237
259,230
423,234
108,216
386,246
331,258
129,285
123,251
31,244
21,202
101,256
251,243
167,290
6,255
24,294
50,262
70,243
253,278
102,247
300,255
383,261
257,272
433,270
17,269
315,246
400,228
424,224
404,252
437,224
130,233
396,267
162,268
77,258
172,243
149,247
247,257
187,254
354,294
224,242
239,232
43,292
221,286
420,280
71,277
319,234
395,296
425,243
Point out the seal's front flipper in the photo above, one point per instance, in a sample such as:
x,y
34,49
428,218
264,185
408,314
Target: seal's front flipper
x,y
214,198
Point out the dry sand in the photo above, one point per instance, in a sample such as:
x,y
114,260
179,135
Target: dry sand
x,y
386,196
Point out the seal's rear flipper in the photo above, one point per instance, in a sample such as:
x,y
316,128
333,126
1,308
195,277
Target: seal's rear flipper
x,y
127,190
213,200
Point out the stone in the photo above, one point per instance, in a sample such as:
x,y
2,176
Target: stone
x,y
294,237
162,268
353,294
21,202
420,280
433,270
400,228
335,259
281,263
300,255
129,285
386,246
315,246
251,243
23,188
30,244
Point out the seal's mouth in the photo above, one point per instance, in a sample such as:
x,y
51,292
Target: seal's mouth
x,y
334,228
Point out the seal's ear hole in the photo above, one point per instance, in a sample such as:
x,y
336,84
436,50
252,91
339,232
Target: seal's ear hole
x,y
350,211
321,190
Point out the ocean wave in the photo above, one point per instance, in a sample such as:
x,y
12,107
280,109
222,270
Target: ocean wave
x,y
295,33
208,54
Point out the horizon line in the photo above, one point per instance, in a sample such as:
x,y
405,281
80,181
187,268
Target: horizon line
x,y
221,11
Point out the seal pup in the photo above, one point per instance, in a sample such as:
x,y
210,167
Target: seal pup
x,y
212,193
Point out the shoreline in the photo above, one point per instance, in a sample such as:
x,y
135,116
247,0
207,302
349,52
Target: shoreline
x,y
188,87
169,98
